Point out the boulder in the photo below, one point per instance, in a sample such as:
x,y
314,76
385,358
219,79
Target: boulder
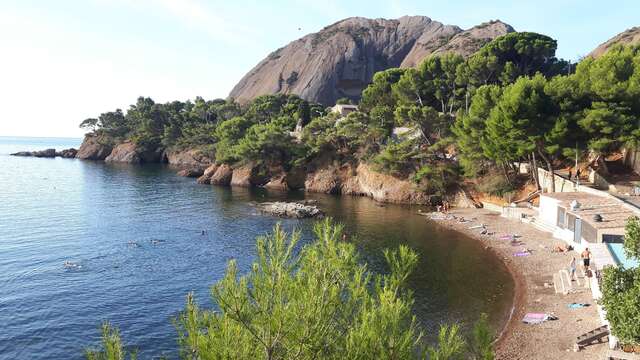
x,y
222,175
189,158
124,153
249,175
48,153
207,174
193,172
67,153
290,209
242,176
93,148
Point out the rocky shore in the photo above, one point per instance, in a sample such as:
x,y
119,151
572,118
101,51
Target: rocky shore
x,y
327,176
49,153
532,275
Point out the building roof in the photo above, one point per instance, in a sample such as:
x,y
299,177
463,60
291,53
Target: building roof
x,y
613,211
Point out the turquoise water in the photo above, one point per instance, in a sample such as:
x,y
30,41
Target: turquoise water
x,y
617,250
136,233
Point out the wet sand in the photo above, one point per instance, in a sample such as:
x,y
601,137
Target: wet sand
x,y
551,339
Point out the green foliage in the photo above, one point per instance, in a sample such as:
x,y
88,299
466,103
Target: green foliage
x,y
470,130
111,346
495,185
379,93
344,101
451,344
482,340
397,158
632,237
437,178
317,301
510,56
621,300
314,303
621,290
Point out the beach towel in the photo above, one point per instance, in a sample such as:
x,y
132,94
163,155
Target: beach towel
x,y
476,227
537,318
522,253
576,305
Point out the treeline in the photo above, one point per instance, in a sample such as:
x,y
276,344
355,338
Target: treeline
x,y
512,101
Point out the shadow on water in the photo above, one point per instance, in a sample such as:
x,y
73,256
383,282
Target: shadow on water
x,y
137,231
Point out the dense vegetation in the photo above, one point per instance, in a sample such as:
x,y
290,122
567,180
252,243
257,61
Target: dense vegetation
x,y
512,101
621,290
316,302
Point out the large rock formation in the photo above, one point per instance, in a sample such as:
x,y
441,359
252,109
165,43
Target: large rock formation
x,y
189,158
627,37
340,60
464,43
124,153
361,180
93,148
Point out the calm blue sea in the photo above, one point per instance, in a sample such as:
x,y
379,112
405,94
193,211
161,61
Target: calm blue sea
x,y
135,233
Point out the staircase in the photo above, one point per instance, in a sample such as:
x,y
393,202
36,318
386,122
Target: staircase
x,y
541,225
562,283
597,334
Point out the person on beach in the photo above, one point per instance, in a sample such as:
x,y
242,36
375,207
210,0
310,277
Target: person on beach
x,y
572,268
586,258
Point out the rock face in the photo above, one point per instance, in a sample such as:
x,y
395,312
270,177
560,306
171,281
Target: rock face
x,y
124,153
340,60
193,172
67,153
290,210
93,149
628,37
222,175
187,158
363,181
128,152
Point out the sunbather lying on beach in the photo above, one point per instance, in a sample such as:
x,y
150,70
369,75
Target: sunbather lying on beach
x,y
562,248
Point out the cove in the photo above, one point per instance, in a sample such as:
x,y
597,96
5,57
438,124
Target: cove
x,y
136,234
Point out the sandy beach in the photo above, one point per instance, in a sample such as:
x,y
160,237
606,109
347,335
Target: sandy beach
x,y
550,339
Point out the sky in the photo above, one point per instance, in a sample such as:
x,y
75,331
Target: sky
x,y
64,61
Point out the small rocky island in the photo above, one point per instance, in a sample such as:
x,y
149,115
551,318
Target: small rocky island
x,y
49,153
296,210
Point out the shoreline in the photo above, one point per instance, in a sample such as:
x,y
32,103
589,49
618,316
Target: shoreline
x,y
551,339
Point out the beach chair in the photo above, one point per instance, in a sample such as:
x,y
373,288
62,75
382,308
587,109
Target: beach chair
x,y
597,334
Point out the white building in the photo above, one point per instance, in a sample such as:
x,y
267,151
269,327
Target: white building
x,y
344,109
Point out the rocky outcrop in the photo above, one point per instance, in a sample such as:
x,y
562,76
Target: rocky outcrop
x,y
207,174
222,175
128,152
67,153
93,148
364,181
627,37
290,209
468,42
189,158
124,153
341,59
49,153
193,172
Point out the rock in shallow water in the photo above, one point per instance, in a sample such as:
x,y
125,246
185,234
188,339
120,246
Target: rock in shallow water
x,y
290,209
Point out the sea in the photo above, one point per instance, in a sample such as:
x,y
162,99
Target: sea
x,y
136,239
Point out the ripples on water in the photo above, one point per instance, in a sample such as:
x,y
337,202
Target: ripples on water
x,y
135,234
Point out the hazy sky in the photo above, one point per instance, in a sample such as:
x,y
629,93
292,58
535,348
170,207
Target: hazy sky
x,y
63,61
